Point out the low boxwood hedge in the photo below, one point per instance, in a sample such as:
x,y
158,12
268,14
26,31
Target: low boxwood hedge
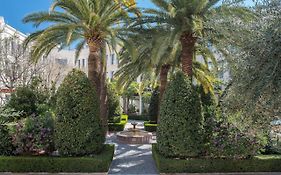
x,y
124,118
22,164
139,117
116,126
263,163
150,127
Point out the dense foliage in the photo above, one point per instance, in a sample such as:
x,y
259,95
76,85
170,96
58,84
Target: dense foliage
x,y
78,129
114,108
23,100
34,135
255,65
154,107
210,116
179,133
6,146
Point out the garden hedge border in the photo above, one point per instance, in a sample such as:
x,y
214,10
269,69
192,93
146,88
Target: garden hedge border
x,y
118,126
21,164
263,163
139,117
150,127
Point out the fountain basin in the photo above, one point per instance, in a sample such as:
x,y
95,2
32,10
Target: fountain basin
x,y
134,136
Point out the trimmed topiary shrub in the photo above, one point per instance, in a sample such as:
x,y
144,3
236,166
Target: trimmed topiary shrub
x,y
179,133
153,110
78,128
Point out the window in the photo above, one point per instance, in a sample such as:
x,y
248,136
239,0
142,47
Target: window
x,y
111,74
61,61
78,63
112,58
83,62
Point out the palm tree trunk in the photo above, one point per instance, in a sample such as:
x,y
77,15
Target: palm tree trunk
x,y
94,68
163,79
163,84
103,101
97,76
188,45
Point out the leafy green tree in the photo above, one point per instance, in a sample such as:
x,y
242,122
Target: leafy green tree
x,y
78,128
86,22
179,133
256,67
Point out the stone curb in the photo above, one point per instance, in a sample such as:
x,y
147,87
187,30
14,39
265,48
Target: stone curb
x,y
245,173
8,173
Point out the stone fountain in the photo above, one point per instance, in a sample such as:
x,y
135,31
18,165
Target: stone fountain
x,y
134,136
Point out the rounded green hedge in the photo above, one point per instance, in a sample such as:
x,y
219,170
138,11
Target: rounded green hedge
x,y
78,128
179,133
23,100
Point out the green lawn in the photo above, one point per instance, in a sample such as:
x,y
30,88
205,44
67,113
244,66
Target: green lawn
x,y
262,163
96,163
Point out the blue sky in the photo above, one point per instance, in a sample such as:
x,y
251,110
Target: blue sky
x,y
14,10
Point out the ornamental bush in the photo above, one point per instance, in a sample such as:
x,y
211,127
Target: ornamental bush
x,y
153,109
23,100
179,133
229,142
114,108
210,115
34,135
6,146
78,128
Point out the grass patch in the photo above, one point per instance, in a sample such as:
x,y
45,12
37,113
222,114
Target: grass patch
x,y
22,164
262,163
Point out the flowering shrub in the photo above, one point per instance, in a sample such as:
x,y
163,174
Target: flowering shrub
x,y
34,135
229,142
6,147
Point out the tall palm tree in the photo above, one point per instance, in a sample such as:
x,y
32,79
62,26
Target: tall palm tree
x,y
154,52
94,23
186,19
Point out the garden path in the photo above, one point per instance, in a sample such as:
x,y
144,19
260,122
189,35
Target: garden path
x,y
132,159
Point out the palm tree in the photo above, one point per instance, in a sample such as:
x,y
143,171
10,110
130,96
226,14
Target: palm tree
x,y
154,52
94,23
186,19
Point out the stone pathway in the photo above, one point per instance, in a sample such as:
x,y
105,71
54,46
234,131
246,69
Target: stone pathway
x,y
131,159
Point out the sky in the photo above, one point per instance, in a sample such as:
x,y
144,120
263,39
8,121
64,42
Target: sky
x,y
14,10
